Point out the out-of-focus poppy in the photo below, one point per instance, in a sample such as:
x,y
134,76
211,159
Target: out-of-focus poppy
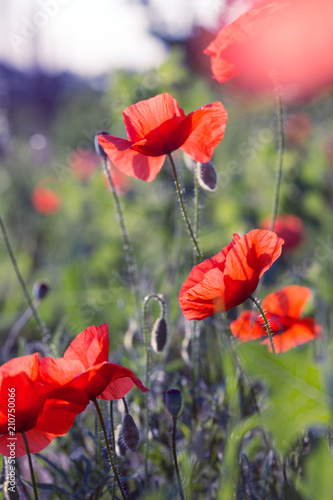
x,y
39,409
231,276
85,367
83,164
283,309
158,126
292,38
45,201
288,227
297,128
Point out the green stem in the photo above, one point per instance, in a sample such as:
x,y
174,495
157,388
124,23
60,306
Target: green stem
x,y
281,146
174,452
257,304
100,416
196,209
132,268
161,302
182,206
113,446
30,465
44,331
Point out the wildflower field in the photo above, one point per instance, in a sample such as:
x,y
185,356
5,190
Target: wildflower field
x,y
166,276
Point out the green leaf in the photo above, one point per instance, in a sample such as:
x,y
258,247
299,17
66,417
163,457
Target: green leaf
x,y
318,478
297,396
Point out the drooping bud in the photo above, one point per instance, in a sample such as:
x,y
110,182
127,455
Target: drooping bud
x,y
99,150
130,433
159,335
173,401
206,175
40,289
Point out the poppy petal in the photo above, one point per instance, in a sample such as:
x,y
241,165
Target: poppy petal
x,y
207,130
288,301
90,347
145,116
131,162
246,262
193,298
246,327
37,441
300,332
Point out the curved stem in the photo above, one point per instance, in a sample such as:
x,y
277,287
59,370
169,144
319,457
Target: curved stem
x,y
161,302
43,329
33,480
100,416
257,304
281,151
132,268
182,206
174,452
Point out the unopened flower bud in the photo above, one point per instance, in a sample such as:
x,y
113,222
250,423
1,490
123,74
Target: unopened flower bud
x,y
40,289
159,335
99,150
173,401
130,433
206,175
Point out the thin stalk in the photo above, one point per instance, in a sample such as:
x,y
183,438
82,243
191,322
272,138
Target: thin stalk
x,y
196,208
100,416
17,328
33,480
174,452
182,206
113,446
161,302
132,268
281,147
43,329
196,363
257,304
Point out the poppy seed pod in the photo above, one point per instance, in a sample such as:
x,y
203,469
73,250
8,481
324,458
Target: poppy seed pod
x,y
98,148
40,289
130,433
159,335
173,401
206,175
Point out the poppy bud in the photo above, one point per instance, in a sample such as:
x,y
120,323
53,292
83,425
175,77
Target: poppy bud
x,y
130,433
173,401
159,335
40,289
99,150
206,175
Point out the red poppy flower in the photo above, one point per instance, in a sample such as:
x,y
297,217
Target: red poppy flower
x,y
293,38
288,227
283,309
42,410
83,164
229,278
85,367
45,201
156,127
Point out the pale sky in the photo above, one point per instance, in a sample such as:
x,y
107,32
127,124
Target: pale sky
x,y
89,37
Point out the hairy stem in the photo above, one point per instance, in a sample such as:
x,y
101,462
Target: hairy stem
x,y
100,416
132,268
257,304
281,147
42,328
182,206
174,452
33,480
